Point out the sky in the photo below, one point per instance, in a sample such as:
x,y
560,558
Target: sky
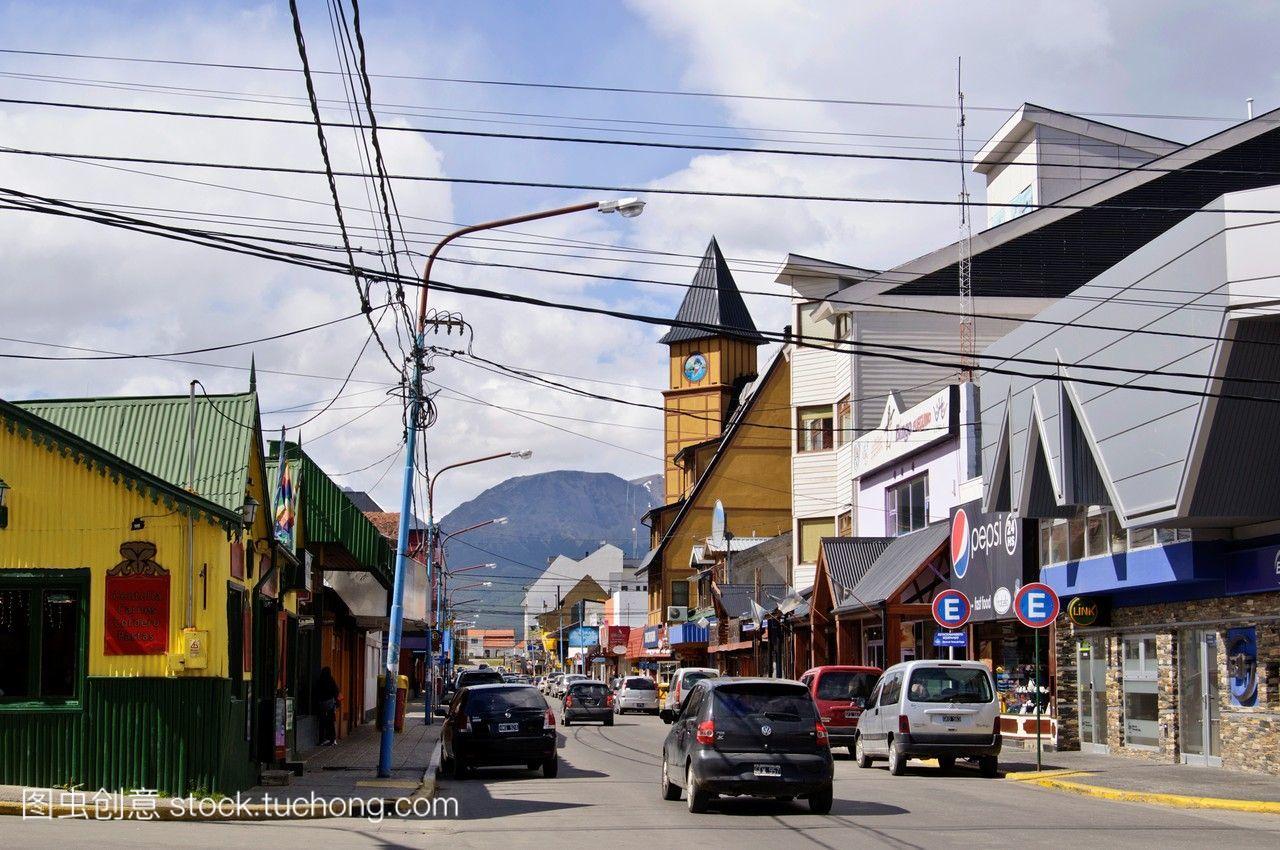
x,y
76,283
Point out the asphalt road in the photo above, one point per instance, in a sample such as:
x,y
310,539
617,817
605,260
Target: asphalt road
x,y
606,797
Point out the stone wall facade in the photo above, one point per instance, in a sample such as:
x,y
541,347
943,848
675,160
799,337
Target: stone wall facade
x,y
1248,737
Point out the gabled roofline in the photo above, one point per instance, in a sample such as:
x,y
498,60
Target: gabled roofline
x,y
34,423
801,265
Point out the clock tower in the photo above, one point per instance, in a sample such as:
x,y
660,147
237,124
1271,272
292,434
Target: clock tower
x,y
712,356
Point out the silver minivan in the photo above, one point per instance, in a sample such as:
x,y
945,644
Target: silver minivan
x,y
931,709
636,693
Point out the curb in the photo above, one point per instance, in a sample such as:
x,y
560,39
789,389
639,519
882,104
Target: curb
x,y
1153,798
1041,775
431,776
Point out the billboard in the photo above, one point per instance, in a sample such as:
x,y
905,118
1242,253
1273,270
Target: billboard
x,y
992,555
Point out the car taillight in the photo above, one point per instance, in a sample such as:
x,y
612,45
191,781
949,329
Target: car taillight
x,y
568,700
549,720
820,732
904,724
608,700
707,733
464,723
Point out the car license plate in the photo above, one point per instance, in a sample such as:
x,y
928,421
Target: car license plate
x,y
508,727
852,715
768,770
950,718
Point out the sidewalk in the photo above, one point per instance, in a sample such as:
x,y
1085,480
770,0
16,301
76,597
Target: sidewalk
x,y
1133,780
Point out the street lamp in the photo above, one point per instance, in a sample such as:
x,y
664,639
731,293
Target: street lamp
x,y
627,208
469,569
473,584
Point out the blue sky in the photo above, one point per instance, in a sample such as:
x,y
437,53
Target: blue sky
x,y
77,284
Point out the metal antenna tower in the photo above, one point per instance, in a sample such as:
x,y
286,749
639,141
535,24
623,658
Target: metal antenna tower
x,y
968,341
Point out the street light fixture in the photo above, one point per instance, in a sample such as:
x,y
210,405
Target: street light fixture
x,y
469,569
627,208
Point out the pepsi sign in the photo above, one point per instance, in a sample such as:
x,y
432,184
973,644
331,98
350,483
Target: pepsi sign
x,y
992,555
951,609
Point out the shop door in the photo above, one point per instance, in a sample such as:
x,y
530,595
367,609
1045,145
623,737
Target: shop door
x,y
1198,697
1092,661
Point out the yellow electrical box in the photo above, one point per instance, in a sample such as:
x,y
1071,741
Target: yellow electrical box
x,y
195,648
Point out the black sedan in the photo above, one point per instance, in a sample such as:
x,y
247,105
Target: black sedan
x,y
499,724
483,676
758,737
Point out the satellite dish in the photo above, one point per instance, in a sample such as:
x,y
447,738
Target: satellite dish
x,y
717,523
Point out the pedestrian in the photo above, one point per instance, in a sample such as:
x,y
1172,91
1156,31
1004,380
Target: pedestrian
x,y
326,694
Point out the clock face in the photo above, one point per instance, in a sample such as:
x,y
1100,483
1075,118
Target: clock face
x,y
695,367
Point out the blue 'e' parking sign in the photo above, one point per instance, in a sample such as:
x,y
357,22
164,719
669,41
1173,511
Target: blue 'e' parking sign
x,y
1036,605
951,609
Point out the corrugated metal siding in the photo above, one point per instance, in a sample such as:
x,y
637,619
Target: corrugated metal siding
x,y
152,433
898,561
713,299
172,735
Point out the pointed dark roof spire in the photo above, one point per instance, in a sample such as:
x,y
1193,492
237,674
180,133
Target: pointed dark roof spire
x,y
253,374
713,299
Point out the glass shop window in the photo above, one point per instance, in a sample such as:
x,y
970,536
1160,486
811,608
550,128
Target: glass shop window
x,y
907,506
42,634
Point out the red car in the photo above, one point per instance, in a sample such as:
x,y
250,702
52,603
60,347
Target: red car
x,y
840,692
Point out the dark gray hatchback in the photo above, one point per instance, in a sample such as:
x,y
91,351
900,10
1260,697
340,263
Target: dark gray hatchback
x,y
587,699
758,737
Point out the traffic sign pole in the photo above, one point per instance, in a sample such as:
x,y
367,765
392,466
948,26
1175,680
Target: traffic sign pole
x,y
1039,765
1036,606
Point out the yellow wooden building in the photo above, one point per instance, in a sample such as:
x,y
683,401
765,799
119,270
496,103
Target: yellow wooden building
x,y
135,653
728,435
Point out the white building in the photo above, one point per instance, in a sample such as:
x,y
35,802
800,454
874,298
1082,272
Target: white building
x,y
905,322
606,566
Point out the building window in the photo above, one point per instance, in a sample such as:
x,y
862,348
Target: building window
x,y
844,324
811,329
844,421
1141,538
680,593
844,524
1141,697
815,426
907,506
1096,537
42,639
810,533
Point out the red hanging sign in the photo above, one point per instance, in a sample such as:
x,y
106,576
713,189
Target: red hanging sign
x,y
136,618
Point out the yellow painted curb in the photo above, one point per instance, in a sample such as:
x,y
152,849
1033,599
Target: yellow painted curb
x,y
1178,800
1033,775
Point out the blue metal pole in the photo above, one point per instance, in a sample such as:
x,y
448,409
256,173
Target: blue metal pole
x,y
429,712
397,591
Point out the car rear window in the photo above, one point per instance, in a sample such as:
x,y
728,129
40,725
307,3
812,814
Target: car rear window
x,y
949,684
846,685
639,685
691,679
585,690
498,700
776,702
479,678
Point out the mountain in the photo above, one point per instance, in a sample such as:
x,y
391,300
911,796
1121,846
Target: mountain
x,y
552,513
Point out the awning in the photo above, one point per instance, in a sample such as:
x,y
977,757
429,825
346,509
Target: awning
x,y
899,561
686,633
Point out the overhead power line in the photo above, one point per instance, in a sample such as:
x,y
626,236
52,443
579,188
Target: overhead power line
x,y
521,84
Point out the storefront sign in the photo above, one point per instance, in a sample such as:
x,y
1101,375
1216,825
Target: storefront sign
x,y
583,636
1036,605
904,432
1253,571
136,618
951,639
1242,666
992,555
1087,611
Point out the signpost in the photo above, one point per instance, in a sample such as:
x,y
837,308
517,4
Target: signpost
x,y
951,610
1036,606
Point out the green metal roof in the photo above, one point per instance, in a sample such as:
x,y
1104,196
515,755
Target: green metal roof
x,y
27,424
329,516
151,433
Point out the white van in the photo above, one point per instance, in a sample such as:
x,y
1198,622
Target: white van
x,y
682,680
931,709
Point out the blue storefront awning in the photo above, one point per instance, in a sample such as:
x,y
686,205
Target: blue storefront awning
x,y
687,633
1178,569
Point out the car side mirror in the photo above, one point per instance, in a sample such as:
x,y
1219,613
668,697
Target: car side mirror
x,y
860,702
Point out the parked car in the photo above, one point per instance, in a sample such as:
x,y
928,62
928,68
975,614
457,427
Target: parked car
x,y
760,737
478,676
931,709
562,686
682,680
549,683
840,692
499,724
636,693
587,699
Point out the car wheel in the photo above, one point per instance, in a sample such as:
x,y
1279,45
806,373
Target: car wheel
x,y
897,761
860,753
670,790
608,721
564,721
551,767
665,715
695,797
946,763
820,801
988,766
